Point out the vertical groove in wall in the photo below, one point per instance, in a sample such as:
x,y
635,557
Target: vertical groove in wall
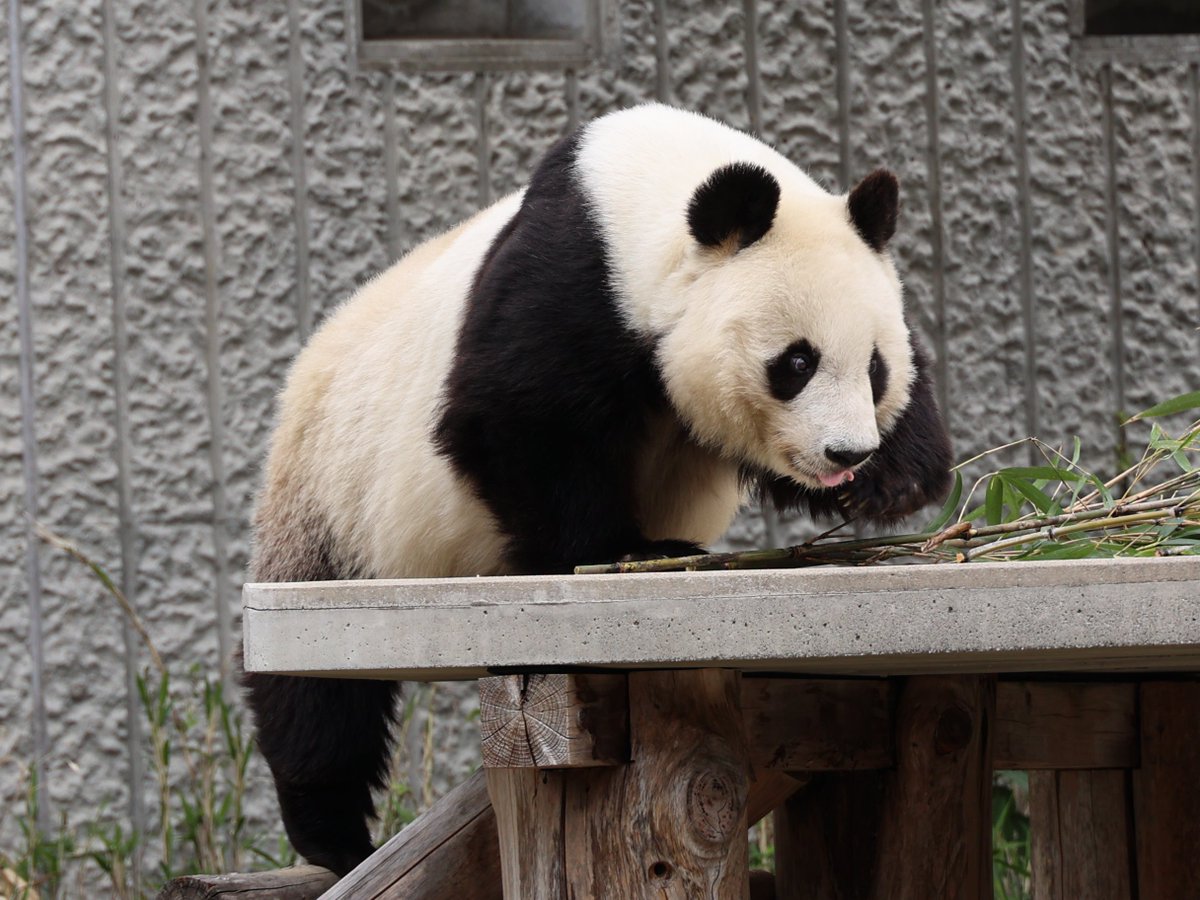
x,y
29,468
936,241
127,525
212,320
571,89
662,74
1194,85
753,79
772,527
842,32
1112,230
391,165
482,147
304,313
1025,225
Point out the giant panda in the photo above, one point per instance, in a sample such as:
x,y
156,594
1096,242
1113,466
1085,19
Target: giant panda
x,y
669,317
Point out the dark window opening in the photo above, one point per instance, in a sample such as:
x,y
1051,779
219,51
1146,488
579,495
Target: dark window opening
x,y
1141,17
525,20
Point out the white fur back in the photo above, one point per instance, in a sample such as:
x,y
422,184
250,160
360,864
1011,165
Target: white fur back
x,y
360,407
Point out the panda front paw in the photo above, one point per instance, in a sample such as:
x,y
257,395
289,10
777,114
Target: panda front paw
x,y
887,497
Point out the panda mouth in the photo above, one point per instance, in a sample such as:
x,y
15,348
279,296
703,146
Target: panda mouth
x,y
827,480
834,479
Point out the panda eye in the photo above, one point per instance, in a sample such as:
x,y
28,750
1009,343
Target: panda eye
x,y
791,370
871,366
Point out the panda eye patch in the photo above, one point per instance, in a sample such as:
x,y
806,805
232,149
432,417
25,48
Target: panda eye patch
x,y
791,370
877,370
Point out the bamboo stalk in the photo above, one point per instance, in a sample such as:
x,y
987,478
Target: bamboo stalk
x,y
1053,533
969,543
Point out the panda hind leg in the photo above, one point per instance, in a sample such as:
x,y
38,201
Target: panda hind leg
x,y
328,744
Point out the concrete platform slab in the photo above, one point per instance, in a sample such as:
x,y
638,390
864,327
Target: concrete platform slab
x,y
1092,615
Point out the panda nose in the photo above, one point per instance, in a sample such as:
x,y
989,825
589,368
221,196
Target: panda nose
x,y
846,457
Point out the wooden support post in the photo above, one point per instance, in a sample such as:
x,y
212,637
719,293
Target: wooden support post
x,y
529,818
826,837
670,823
1166,791
935,828
762,885
1080,832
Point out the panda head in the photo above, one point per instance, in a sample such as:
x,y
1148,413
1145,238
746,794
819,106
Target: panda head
x,y
788,350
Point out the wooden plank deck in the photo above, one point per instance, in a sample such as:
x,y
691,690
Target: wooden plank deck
x,y
1094,615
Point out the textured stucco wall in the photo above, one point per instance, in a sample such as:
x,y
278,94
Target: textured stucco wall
x,y
221,253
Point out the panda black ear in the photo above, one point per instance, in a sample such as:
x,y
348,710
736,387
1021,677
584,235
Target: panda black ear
x,y
874,205
737,202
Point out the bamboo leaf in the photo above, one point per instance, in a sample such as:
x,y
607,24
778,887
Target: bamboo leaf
x,y
949,506
1070,550
1041,502
1103,490
993,504
1049,473
1182,403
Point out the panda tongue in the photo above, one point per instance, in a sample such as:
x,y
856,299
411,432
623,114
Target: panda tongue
x,y
836,478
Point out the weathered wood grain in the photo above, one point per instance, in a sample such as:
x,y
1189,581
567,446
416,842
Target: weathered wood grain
x,y
1080,834
672,823
554,720
826,838
1063,725
1166,791
295,883
935,828
818,724
822,725
449,851
768,789
529,821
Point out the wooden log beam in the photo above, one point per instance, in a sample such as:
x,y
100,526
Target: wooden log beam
x,y
806,724
1063,725
818,724
831,725
768,789
449,851
1080,835
1166,791
553,721
295,883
